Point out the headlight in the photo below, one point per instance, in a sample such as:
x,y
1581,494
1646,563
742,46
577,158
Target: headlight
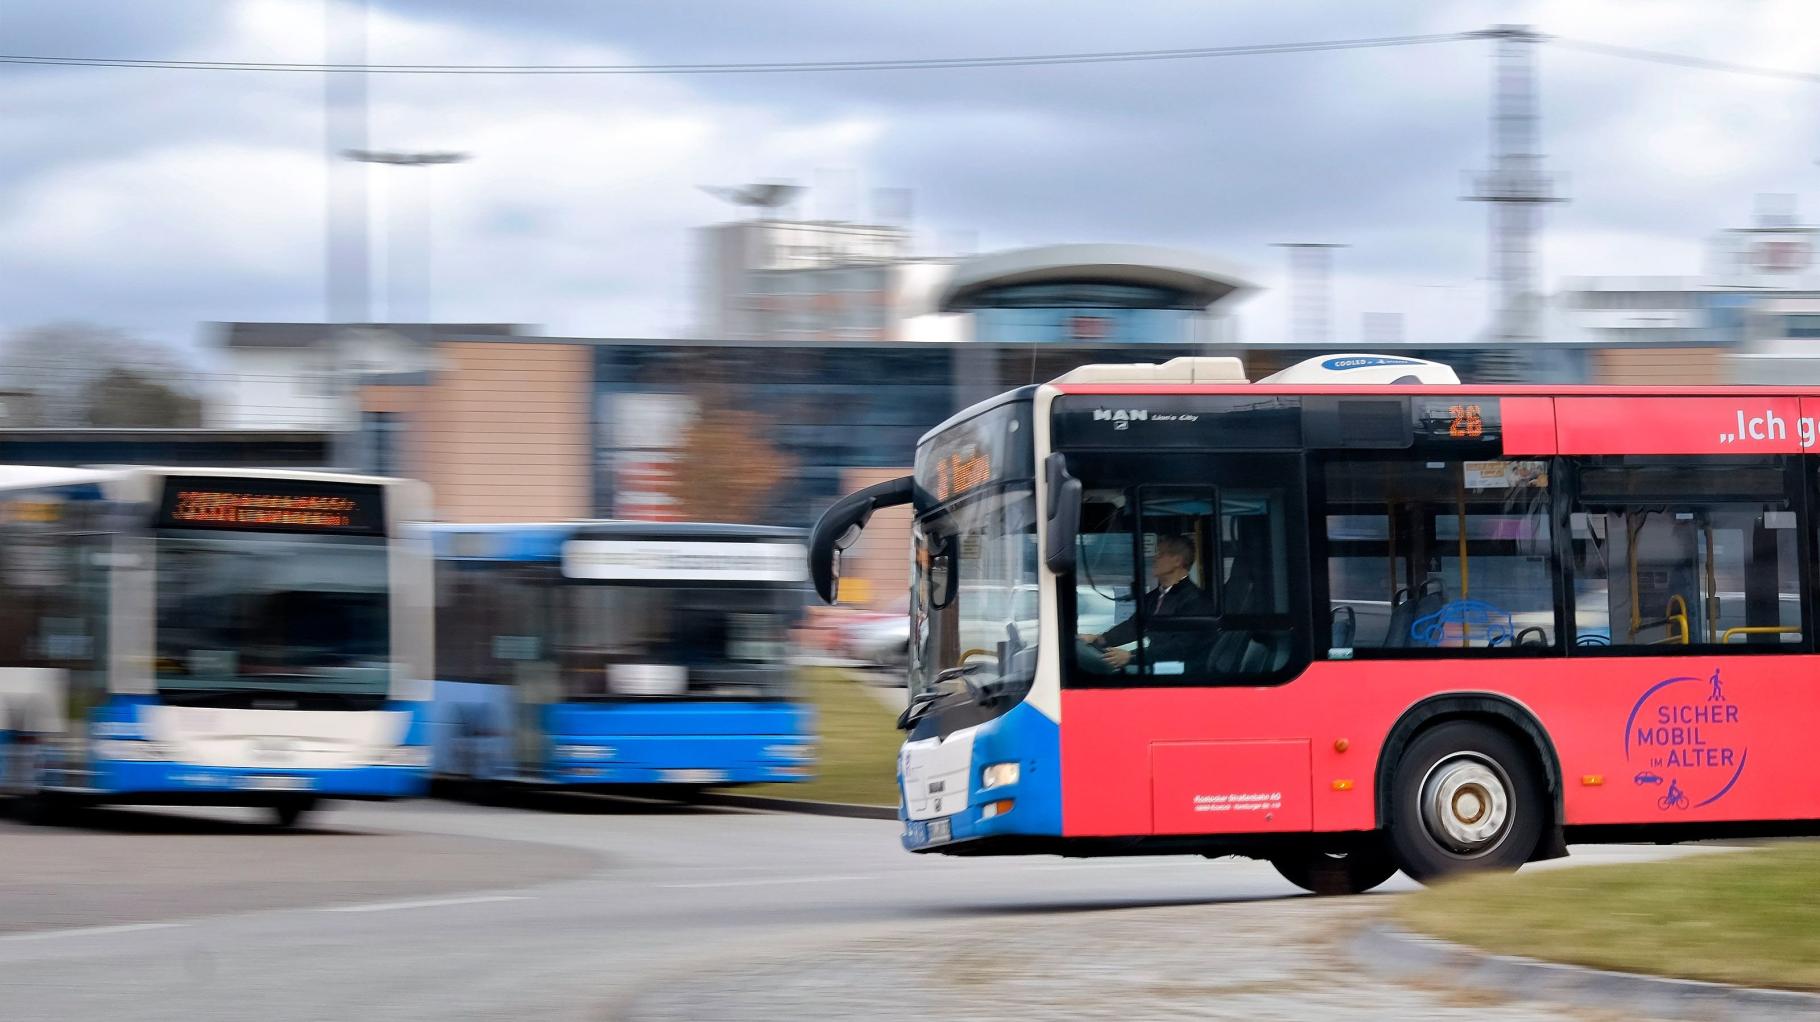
x,y
997,775
583,752
790,751
139,752
404,756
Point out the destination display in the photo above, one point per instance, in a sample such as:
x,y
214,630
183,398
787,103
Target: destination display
x,y
989,448
1457,418
286,505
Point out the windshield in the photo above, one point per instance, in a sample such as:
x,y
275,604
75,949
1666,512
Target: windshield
x,y
973,603
641,640
251,612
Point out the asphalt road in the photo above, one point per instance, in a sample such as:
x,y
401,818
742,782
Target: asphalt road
x,y
591,909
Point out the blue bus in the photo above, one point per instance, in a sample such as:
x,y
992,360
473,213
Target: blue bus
x,y
618,655
206,636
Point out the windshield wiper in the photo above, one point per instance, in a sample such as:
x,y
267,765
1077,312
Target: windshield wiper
x,y
922,701
919,705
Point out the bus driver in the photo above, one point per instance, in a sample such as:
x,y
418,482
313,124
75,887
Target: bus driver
x,y
1175,596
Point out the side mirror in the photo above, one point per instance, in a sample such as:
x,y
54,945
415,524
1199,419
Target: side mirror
x,y
840,527
1064,515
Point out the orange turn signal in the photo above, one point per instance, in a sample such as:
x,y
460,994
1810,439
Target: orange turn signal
x,y
1342,785
1341,745
1592,780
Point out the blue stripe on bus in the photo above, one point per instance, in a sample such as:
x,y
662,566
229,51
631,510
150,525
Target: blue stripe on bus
x,y
476,736
1022,735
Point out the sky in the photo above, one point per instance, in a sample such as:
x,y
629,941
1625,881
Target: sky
x,y
154,200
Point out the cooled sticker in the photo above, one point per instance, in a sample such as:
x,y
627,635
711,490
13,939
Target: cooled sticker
x,y
1345,362
1686,738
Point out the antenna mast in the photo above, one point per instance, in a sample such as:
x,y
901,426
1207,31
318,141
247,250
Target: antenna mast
x,y
1517,188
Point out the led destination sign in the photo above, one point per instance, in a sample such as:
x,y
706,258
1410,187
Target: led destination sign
x,y
271,505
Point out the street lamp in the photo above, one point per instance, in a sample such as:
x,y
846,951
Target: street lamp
x,y
394,249
347,377
404,159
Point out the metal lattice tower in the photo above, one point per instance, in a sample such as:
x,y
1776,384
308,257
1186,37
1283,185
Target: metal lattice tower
x,y
1310,291
1516,187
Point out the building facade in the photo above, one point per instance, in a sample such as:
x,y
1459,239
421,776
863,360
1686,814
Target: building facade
x,y
1759,296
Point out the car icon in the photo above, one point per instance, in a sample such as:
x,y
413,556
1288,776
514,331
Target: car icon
x,y
1464,619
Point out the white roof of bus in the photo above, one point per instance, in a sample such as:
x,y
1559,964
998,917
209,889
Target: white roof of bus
x,y
309,475
37,477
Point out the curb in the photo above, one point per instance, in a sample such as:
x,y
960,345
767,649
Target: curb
x,y
1401,954
797,805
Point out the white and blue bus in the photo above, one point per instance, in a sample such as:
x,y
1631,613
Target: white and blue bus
x,y
620,655
210,636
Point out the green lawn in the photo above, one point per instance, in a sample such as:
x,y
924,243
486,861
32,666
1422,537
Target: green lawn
x,y
1749,918
856,751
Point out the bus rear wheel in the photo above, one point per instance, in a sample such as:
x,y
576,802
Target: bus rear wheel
x,y
1354,871
1464,799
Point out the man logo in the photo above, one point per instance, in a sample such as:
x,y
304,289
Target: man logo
x,y
1121,418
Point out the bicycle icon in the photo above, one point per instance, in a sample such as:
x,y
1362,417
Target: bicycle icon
x,y
1675,799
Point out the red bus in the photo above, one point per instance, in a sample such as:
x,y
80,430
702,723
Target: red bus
x,y
1354,617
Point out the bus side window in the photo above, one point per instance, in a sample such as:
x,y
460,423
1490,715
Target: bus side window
x,y
1428,555
1668,553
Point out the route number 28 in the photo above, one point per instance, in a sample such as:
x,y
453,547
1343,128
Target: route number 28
x,y
1468,422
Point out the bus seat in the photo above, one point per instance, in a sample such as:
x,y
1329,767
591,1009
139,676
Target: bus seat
x,y
1406,607
1343,627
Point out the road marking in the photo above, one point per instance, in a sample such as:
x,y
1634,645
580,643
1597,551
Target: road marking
x,y
92,931
765,883
394,906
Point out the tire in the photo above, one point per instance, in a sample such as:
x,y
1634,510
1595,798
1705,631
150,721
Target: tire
x,y
1335,873
40,808
288,813
1465,798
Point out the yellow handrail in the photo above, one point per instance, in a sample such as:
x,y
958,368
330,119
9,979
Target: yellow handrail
x,y
1687,637
1671,620
1759,630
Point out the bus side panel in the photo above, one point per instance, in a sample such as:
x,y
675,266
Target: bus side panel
x,y
1683,739
680,742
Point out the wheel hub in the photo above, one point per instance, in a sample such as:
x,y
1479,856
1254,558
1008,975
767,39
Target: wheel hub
x,y
1466,804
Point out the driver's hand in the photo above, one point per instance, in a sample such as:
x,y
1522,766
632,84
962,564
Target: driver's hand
x,y
1091,640
1117,658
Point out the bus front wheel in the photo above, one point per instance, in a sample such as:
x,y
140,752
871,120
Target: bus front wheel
x,y
1464,799
290,811
1354,871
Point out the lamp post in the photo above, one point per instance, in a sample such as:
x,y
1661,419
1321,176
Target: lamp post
x,y
394,249
346,375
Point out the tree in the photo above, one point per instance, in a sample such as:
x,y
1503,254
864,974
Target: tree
x,y
83,375
725,466
126,399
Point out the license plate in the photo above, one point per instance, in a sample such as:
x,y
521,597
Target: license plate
x,y
694,776
940,830
258,783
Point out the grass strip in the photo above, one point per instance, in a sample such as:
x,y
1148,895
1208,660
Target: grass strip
x,y
856,746
1747,918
